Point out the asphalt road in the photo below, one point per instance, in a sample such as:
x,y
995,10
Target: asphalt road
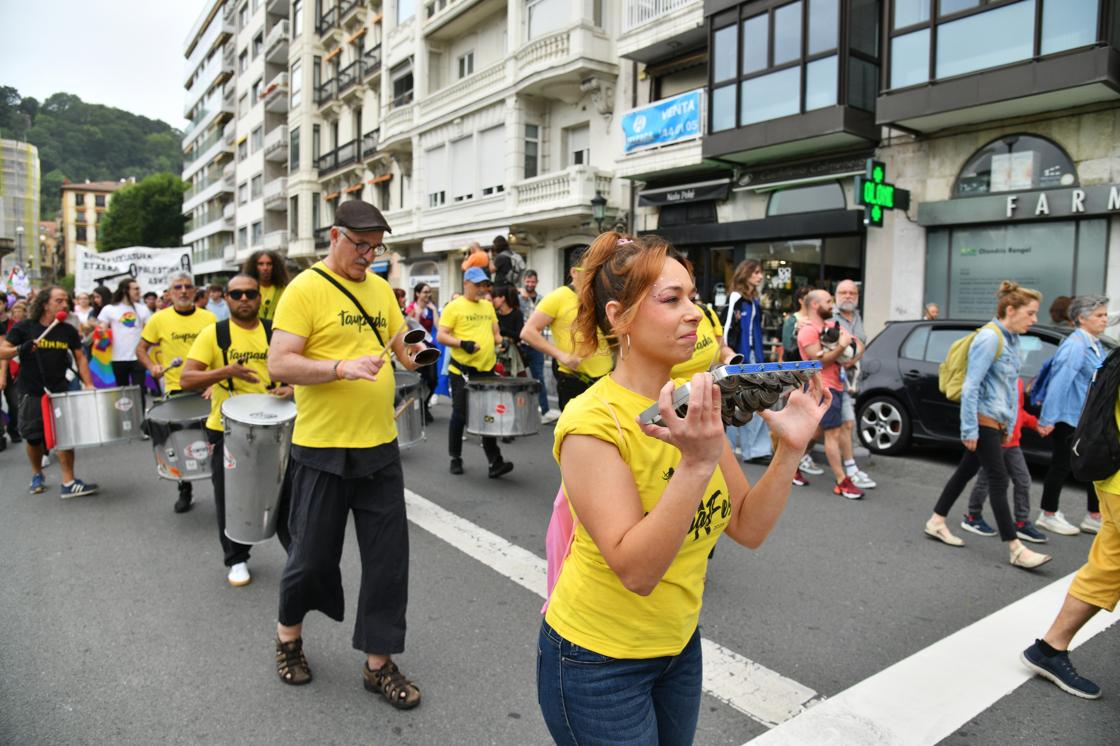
x,y
120,627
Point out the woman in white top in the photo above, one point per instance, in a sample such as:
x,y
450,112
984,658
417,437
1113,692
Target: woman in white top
x,y
82,308
126,316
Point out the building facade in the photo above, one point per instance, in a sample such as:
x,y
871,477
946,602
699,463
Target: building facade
x,y
83,207
19,204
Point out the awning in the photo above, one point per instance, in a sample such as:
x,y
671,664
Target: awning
x,y
460,241
380,179
242,139
353,187
698,192
360,33
332,196
376,19
332,54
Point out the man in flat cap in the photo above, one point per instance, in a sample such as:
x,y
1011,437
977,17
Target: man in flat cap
x,y
332,327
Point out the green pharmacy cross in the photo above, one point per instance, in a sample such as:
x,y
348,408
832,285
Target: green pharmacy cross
x,y
876,195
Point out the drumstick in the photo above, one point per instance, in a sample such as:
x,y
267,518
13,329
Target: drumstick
x,y
403,406
58,319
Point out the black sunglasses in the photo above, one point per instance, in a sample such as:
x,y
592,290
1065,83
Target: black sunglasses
x,y
239,294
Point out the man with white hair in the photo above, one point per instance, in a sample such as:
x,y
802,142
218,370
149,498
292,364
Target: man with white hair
x,y
847,301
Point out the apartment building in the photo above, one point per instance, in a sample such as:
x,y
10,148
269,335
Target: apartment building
x,y
83,207
19,202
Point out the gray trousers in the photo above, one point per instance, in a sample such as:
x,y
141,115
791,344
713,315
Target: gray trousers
x,y
1020,480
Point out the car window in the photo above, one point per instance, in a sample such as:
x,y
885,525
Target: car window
x,y
1034,351
914,348
940,340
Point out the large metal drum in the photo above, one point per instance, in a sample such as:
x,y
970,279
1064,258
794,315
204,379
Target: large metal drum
x,y
83,419
176,426
407,409
258,438
503,407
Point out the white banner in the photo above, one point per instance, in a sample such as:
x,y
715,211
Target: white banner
x,y
152,268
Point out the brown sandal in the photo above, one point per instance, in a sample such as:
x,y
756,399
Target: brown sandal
x,y
291,664
390,683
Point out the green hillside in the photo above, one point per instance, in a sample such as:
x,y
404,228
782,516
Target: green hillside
x,y
79,141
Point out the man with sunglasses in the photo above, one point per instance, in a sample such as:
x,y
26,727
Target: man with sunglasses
x,y
242,368
331,330
173,330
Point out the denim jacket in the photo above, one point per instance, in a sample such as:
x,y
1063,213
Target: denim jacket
x,y
990,385
1071,371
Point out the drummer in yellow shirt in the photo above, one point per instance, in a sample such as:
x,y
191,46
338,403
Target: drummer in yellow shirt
x,y
173,331
557,312
242,368
469,326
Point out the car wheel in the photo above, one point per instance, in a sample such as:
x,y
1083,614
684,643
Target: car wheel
x,y
884,425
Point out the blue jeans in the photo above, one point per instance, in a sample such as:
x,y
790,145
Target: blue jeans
x,y
534,360
752,438
589,699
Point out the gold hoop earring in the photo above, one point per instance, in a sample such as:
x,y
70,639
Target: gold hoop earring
x,y
622,355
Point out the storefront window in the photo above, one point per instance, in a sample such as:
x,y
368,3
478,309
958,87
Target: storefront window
x,y
1068,24
828,196
965,45
1014,163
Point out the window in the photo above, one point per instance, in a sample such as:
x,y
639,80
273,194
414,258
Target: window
x,y
315,200
297,18
383,194
914,348
940,340
1068,24
243,61
466,64
295,78
257,233
829,196
258,44
546,16
256,140
965,45
293,216
1014,163
436,163
316,140
401,75
579,146
405,10
243,193
243,237
293,149
255,186
242,150
255,92
256,5
243,17
80,233
99,200
532,150
463,169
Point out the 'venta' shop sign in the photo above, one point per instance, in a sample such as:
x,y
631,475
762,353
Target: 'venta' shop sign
x,y
672,120
1103,199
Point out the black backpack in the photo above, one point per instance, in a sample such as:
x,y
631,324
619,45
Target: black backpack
x,y
1095,447
225,340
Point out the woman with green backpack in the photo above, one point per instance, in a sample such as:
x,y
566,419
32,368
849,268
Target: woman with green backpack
x,y
989,406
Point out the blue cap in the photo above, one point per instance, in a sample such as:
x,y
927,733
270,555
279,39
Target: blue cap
x,y
476,275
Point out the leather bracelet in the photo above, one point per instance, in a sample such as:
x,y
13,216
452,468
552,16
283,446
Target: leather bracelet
x,y
337,369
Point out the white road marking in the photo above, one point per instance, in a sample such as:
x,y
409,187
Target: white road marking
x,y
930,695
763,695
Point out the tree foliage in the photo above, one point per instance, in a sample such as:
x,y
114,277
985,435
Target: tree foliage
x,y
147,213
79,141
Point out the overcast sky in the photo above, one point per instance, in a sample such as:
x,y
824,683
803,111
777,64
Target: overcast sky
x,y
123,53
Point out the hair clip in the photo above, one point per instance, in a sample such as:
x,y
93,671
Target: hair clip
x,y
624,241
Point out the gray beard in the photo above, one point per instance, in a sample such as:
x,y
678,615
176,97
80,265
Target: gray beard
x,y
848,307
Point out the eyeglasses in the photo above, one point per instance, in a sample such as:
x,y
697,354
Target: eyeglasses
x,y
364,247
182,287
239,294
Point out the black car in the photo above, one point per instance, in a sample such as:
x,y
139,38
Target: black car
x,y
899,400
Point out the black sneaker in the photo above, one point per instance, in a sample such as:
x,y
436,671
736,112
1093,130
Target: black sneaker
x,y
1059,670
500,467
456,466
977,525
1027,532
183,504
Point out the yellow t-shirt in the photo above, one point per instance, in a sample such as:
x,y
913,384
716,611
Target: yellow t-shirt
x,y
707,346
248,347
589,605
270,297
341,414
175,333
562,304
473,320
1112,484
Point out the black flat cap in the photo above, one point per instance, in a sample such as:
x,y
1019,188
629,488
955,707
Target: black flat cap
x,y
360,216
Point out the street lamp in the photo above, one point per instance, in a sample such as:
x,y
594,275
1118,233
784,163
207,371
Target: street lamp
x,y
599,209
19,246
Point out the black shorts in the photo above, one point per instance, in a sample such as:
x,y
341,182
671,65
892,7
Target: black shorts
x,y
834,418
31,418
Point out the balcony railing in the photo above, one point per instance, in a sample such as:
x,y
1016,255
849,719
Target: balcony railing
x,y
327,22
369,143
277,38
276,143
345,7
200,149
371,61
276,240
276,192
343,155
572,187
325,92
322,237
640,12
275,94
349,76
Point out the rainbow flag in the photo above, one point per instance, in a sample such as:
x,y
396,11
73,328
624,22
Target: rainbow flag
x,y
101,359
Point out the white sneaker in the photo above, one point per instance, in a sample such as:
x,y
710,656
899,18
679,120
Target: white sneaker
x,y
1056,524
46,461
861,480
1091,525
239,575
433,400
809,466
550,416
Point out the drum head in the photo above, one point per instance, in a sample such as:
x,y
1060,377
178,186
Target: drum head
x,y
259,409
180,409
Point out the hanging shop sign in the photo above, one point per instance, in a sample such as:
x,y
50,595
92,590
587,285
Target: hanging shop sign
x,y
1103,199
673,120
706,190
876,194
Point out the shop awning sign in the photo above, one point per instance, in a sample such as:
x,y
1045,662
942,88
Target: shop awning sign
x,y
876,194
672,120
700,192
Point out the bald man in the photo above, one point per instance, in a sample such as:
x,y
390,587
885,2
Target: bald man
x,y
847,303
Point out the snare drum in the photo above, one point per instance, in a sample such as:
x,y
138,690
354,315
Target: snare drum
x,y
176,426
503,407
96,417
258,438
407,410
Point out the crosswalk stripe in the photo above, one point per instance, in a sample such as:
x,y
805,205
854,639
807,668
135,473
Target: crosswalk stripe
x,y
754,690
927,697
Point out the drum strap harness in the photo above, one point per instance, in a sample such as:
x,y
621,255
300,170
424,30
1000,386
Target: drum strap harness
x,y
348,294
225,340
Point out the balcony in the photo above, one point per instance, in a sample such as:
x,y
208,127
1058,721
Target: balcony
x,y
555,65
343,156
228,212
276,194
276,43
326,92
230,132
371,62
347,17
369,144
205,224
276,144
278,7
561,193
276,241
275,94
229,173
462,92
323,236
656,29
327,22
206,190
442,17
396,124
348,79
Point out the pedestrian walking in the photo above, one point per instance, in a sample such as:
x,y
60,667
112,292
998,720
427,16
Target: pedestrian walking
x,y
469,326
988,412
931,312
333,327
9,369
619,652
847,303
216,302
509,266
239,367
1071,369
423,311
476,257
533,357
125,317
268,269
791,326
1059,311
510,324
744,334
813,345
